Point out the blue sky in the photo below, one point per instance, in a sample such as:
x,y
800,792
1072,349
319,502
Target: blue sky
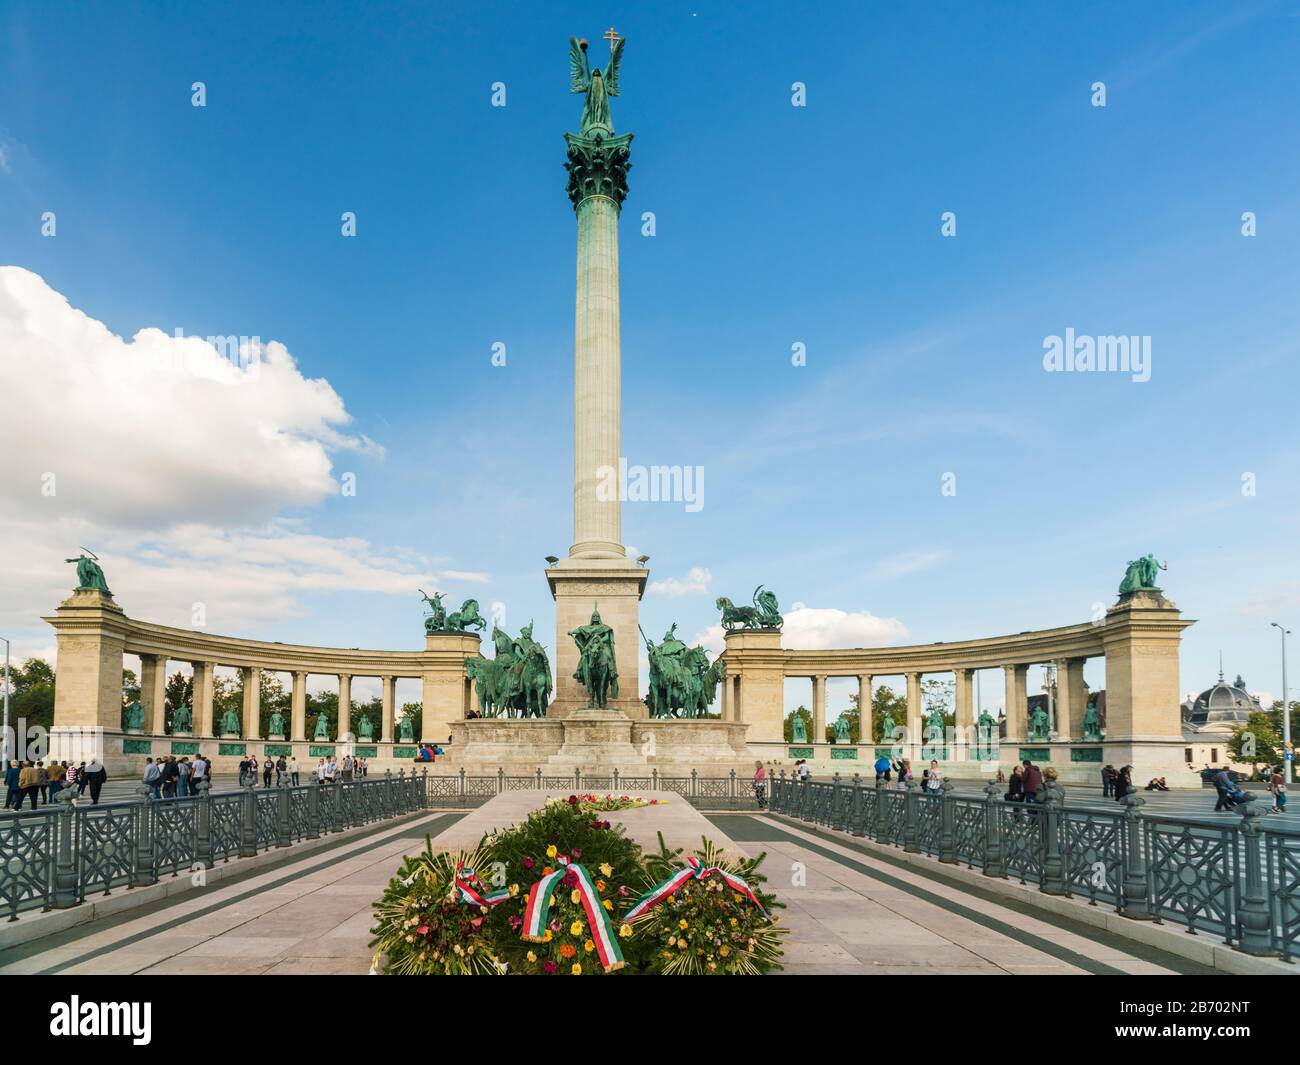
x,y
774,225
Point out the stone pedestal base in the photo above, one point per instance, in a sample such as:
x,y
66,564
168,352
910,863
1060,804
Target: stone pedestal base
x,y
615,587
596,738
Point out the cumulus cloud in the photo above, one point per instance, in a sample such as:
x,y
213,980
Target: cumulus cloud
x,y
175,462
696,582
813,628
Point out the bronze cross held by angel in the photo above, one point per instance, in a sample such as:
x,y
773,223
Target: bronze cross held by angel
x,y
598,86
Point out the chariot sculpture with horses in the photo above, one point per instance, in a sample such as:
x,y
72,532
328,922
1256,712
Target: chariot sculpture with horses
x,y
764,614
464,619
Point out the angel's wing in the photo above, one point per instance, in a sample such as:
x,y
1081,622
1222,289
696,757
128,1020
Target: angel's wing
x,y
611,71
577,66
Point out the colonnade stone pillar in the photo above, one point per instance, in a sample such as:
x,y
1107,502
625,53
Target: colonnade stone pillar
x,y
818,708
345,706
388,712
1017,702
444,681
1071,699
204,673
754,659
252,702
91,637
298,707
963,704
153,691
914,730
865,724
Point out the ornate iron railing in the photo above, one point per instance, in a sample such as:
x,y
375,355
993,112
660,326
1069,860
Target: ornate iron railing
x,y
1239,880
59,855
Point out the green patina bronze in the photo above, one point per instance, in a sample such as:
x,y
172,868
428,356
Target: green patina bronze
x,y
130,746
230,724
438,620
366,752
1039,724
1035,754
887,725
1141,575
842,732
322,730
517,682
798,731
1091,721
133,717
934,723
365,731
315,751
277,749
598,161
764,614
597,671
180,747
275,726
232,748
405,752
682,682
406,729
842,753
1085,754
800,752
90,578
183,718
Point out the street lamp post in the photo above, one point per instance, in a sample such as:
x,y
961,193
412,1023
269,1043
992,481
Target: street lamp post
x,y
1286,711
5,741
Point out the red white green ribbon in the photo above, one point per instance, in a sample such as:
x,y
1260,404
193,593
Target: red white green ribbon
x,y
693,871
473,892
537,913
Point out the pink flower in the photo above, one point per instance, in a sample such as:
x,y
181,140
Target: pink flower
x,y
577,855
549,967
529,863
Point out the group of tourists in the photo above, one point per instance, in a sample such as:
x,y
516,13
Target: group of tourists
x,y
428,752
329,770
280,771
175,778
1117,783
39,782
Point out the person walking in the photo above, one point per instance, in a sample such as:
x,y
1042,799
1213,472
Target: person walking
x,y
170,774
12,790
293,770
1032,782
27,784
43,782
1123,783
268,767
152,778
57,771
1107,781
933,778
1277,785
96,775
904,769
200,773
1016,785
281,772
760,785
82,779
882,769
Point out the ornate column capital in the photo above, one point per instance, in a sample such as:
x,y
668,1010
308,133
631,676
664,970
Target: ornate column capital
x,y
598,166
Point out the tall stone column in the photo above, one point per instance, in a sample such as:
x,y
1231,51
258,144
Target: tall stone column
x,y
865,724
252,702
964,707
91,633
818,709
914,730
298,706
597,573
1017,704
204,673
1071,699
756,666
345,706
153,692
389,698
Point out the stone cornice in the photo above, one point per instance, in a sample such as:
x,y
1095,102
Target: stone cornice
x,y
598,166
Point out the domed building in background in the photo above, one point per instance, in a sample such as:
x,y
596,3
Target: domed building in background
x,y
1209,720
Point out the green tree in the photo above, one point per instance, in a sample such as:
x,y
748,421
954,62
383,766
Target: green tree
x,y
326,703
273,697
883,699
1256,741
415,711
178,692
31,694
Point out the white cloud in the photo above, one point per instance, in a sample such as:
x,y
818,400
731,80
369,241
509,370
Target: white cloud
x,y
815,628
697,581
175,464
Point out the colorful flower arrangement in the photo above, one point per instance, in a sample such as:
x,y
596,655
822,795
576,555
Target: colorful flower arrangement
x,y
606,803
568,894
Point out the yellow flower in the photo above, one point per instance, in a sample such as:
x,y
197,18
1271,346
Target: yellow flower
x,y
734,922
589,946
514,890
672,941
575,896
724,950
547,937
551,852
575,929
600,885
625,931
608,904
533,957
607,869
576,970
682,924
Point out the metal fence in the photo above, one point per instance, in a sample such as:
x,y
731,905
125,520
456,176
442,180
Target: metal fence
x,y
729,792
1239,879
59,855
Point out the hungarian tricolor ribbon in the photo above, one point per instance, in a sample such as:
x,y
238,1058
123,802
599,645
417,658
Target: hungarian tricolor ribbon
x,y
473,892
694,871
537,913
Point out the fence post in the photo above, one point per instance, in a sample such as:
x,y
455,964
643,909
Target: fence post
x,y
65,866
577,779
1136,900
947,815
733,787
882,813
694,785
203,842
993,831
616,778
283,826
142,874
422,793
1053,840
1254,921
539,778
910,844
654,778
313,810
248,837
501,780
854,821
462,785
